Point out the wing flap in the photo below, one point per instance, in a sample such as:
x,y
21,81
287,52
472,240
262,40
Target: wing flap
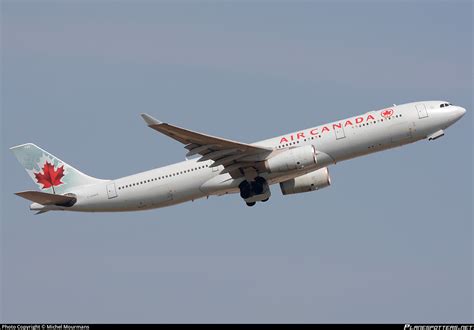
x,y
200,149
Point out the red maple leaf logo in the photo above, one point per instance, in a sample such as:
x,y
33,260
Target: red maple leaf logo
x,y
387,113
50,177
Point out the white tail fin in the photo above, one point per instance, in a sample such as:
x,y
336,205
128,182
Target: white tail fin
x,y
49,172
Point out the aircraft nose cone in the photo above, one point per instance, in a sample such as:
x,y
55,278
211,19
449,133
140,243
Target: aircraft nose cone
x,y
457,113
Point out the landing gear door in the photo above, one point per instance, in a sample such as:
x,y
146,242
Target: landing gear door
x,y
422,112
111,191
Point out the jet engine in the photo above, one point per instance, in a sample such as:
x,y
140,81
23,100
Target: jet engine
x,y
315,180
292,159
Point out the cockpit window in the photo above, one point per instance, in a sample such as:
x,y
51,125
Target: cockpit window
x,y
444,105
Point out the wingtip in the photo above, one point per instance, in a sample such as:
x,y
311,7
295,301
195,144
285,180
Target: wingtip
x,y
150,120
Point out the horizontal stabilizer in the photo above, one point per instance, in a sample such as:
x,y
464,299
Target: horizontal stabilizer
x,y
47,199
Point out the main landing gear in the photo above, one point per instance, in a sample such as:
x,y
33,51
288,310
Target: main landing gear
x,y
255,191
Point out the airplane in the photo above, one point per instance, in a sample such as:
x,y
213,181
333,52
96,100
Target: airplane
x,y
297,161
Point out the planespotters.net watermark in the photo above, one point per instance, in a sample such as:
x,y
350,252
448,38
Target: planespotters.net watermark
x,y
437,327
44,327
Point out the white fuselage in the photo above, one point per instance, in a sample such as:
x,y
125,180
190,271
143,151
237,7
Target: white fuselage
x,y
335,142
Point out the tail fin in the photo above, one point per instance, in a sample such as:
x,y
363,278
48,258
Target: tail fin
x,y
51,174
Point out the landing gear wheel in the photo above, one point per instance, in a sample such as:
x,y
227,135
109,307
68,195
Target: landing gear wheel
x,y
251,204
245,189
264,200
257,188
258,185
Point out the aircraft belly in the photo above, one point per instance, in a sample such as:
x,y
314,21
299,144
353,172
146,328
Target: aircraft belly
x,y
169,194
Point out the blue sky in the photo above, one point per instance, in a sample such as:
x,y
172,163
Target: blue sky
x,y
389,241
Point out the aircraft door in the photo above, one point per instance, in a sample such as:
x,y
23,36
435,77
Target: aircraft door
x,y
339,131
111,191
422,112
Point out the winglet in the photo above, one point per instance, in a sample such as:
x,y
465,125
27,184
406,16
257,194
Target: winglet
x,y
150,120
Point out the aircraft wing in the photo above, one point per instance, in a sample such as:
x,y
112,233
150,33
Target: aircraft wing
x,y
231,154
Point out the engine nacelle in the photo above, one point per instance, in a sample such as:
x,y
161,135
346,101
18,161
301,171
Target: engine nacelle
x,y
310,181
292,159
